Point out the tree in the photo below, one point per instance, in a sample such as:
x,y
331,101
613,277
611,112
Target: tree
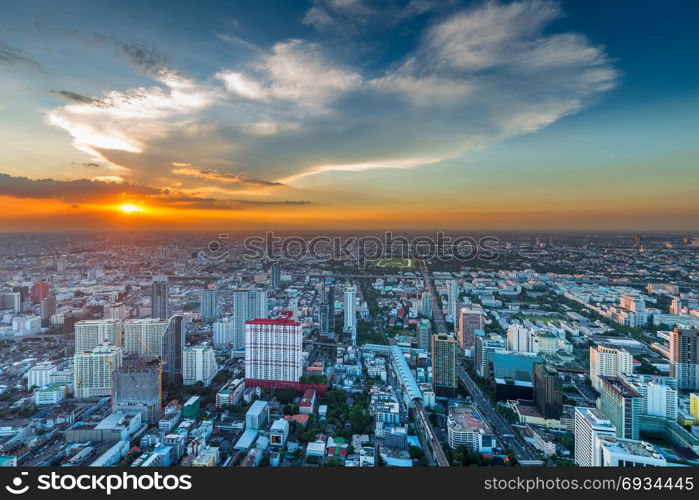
x,y
286,395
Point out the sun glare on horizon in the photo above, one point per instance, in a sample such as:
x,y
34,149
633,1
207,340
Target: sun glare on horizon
x,y
129,208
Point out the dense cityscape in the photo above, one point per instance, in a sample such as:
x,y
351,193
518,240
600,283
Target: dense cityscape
x,y
157,349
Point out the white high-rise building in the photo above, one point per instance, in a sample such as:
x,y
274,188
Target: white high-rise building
x,y
273,349
198,364
39,375
11,301
92,333
93,371
144,337
522,339
157,338
223,332
659,394
350,308
590,425
608,361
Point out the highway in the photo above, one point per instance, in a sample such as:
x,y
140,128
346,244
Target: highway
x,y
503,429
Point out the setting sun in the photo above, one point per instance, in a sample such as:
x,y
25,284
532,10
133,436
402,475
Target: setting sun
x,y
128,208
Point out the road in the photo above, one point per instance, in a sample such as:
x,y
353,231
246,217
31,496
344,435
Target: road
x,y
503,429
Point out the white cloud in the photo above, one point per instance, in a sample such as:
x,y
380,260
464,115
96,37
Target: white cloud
x,y
295,71
475,78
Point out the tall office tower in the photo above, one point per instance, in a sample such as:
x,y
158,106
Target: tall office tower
x,y
522,339
548,391
590,425
115,311
47,309
327,313
173,344
622,404
93,371
452,301
275,276
469,320
157,338
426,304
95,332
684,357
444,364
160,298
198,364
223,332
658,394
247,305
39,291
137,388
350,325
210,308
608,361
273,349
424,334
12,301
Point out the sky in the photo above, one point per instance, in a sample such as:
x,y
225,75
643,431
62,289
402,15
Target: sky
x,y
349,114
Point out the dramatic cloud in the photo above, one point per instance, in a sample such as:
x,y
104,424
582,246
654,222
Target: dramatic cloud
x,y
474,78
107,191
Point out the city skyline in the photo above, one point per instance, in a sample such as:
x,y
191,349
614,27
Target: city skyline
x,y
527,115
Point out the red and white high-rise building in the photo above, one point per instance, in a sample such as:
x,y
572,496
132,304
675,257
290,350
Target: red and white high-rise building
x,y
273,349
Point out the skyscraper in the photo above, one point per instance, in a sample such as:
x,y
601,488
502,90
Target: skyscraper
x,y
548,391
273,349
327,313
426,304
223,332
93,371
622,404
469,320
684,357
47,308
658,394
198,364
444,364
452,301
210,308
590,425
350,308
275,275
609,361
92,333
424,334
160,302
157,338
247,305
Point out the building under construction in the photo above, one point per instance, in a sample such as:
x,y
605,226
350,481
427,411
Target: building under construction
x,y
137,387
